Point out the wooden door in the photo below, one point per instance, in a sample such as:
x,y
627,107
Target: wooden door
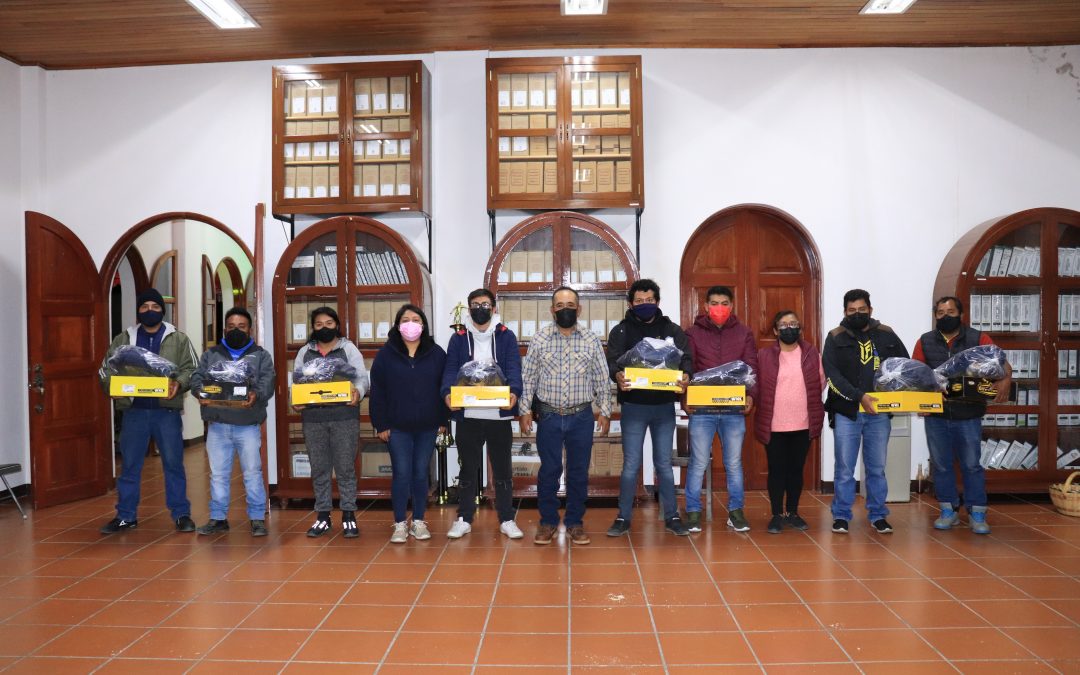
x,y
70,444
771,264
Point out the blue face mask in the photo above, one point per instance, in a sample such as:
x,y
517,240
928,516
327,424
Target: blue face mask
x,y
645,311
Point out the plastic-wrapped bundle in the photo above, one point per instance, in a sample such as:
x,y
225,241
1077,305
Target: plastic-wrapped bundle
x,y
899,374
233,372
985,361
652,353
480,374
733,373
132,361
323,369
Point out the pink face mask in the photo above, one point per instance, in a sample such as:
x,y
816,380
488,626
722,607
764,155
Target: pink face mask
x,y
411,330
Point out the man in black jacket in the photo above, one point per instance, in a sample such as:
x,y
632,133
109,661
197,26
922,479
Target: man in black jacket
x,y
853,352
646,410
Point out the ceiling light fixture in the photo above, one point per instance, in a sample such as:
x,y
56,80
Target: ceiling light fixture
x,y
224,14
886,6
584,7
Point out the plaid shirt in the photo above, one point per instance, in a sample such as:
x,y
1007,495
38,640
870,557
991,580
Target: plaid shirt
x,y
565,371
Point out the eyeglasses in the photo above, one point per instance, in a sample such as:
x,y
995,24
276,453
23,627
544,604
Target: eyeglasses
x,y
480,305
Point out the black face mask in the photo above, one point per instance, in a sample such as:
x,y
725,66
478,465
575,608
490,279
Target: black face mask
x,y
480,315
236,338
948,324
566,317
789,335
150,318
856,322
324,335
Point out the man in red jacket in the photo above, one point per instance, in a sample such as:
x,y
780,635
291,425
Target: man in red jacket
x,y
717,337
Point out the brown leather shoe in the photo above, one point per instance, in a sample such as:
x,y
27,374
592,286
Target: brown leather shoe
x,y
577,535
544,534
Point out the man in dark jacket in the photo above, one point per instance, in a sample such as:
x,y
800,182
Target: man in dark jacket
x,y
235,431
852,354
717,337
644,410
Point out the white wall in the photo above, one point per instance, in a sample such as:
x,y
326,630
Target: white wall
x,y
886,156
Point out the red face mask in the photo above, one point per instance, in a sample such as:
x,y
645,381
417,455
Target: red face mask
x,y
719,314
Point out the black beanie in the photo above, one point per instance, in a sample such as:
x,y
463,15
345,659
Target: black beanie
x,y
150,294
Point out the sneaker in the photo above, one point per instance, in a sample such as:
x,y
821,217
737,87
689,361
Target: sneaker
x,y
675,526
977,520
511,529
117,524
796,521
258,528
737,521
349,529
948,518
401,533
840,525
776,525
213,527
693,521
419,530
459,529
620,527
577,535
882,526
544,535
185,524
321,525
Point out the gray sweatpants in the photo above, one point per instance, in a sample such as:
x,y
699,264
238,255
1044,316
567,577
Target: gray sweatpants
x,y
332,447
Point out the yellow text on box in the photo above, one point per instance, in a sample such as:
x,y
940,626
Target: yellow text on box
x,y
139,387
320,392
907,401
653,378
479,397
704,395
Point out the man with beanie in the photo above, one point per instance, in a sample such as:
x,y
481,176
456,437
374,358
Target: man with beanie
x,y
644,410
156,418
236,431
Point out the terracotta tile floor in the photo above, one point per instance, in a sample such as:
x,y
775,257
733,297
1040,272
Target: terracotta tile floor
x,y
915,601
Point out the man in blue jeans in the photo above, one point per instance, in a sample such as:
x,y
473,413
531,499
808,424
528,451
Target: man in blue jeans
x,y
853,351
563,374
956,434
716,338
644,410
235,430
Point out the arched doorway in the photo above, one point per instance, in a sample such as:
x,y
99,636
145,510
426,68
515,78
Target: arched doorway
x,y
771,263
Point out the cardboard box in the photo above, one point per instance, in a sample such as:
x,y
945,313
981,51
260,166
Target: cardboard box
x,y
390,125
505,121
588,176
321,182
609,90
538,146
519,91
537,91
304,182
297,98
605,266
575,94
550,81
335,188
379,90
974,389
390,148
504,93
225,394
303,152
535,265
592,122
138,387
504,177
330,98
365,317
376,465
519,146
623,181
908,401
373,149
370,180
587,263
624,91
404,180
575,267
320,393
384,316
399,94
549,266
534,177
387,176
551,177
712,396
528,318
517,177
519,267
510,311
320,128
605,176
362,89
616,310
405,147
609,145
519,121
479,397
659,379
609,120
290,183
538,121
314,99
590,91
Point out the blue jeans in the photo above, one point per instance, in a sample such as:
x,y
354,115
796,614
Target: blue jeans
x,y
553,432
223,443
951,441
137,427
873,433
732,430
659,420
410,461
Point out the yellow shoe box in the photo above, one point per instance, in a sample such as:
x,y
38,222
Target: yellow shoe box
x,y
479,397
908,401
653,378
139,387
320,392
709,396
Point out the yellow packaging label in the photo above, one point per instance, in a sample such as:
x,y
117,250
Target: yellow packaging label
x,y
479,397
653,378
320,392
702,395
139,387
908,401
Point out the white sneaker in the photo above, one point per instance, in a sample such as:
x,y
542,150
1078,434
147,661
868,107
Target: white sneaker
x,y
511,529
459,529
419,530
401,533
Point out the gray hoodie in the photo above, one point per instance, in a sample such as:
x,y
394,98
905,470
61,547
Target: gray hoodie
x,y
346,351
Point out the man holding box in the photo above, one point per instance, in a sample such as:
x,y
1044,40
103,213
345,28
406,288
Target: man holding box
x,y
158,418
646,410
956,434
564,373
235,430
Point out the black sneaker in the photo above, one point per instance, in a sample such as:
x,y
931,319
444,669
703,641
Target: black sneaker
x,y
796,521
882,526
776,525
693,521
118,524
185,524
618,528
321,526
349,530
839,525
675,526
258,528
213,527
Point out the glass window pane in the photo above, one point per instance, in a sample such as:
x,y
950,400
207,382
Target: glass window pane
x,y
375,316
592,260
1009,311
298,310
316,264
377,263
531,260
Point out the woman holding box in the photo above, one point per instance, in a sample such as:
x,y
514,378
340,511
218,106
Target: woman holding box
x,y
408,413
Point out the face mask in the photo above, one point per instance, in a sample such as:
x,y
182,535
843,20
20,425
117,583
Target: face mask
x,y
948,324
236,338
411,330
856,322
645,311
719,314
325,335
566,317
150,318
789,335
480,315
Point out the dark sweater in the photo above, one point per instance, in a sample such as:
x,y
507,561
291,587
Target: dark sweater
x,y
850,359
632,330
405,389
714,346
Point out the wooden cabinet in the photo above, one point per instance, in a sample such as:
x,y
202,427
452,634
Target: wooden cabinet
x,y
565,133
1019,280
351,137
364,271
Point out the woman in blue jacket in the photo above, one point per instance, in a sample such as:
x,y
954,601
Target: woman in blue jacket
x,y
408,413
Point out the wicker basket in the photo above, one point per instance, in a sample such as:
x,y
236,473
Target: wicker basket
x,y
1066,496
